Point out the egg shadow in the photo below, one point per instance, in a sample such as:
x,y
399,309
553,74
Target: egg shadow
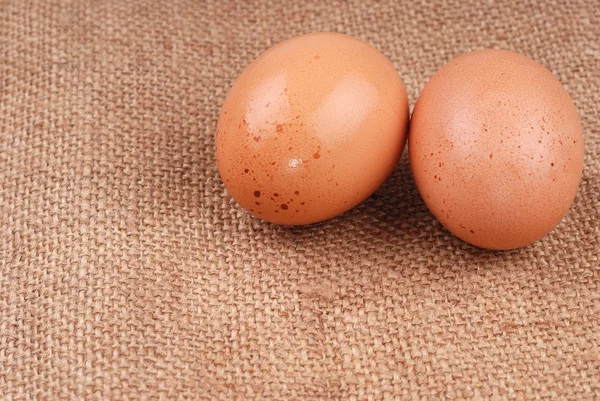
x,y
397,200
397,216
395,213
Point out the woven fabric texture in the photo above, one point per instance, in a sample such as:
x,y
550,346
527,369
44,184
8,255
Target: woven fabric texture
x,y
128,273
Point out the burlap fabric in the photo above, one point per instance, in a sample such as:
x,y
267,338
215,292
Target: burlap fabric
x,y
128,273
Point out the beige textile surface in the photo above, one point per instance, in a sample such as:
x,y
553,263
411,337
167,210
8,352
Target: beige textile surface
x,y
128,273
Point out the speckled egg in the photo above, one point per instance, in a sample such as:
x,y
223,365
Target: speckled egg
x,y
496,149
311,128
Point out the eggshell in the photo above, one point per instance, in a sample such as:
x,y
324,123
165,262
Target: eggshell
x,y
496,149
311,128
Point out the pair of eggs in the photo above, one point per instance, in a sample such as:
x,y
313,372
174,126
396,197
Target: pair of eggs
x,y
317,123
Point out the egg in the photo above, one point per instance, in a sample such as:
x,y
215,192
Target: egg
x,y
496,149
311,128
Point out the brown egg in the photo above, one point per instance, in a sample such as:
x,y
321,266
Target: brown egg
x,y
496,149
311,128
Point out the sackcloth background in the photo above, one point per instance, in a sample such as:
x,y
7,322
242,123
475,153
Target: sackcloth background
x,y
128,273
